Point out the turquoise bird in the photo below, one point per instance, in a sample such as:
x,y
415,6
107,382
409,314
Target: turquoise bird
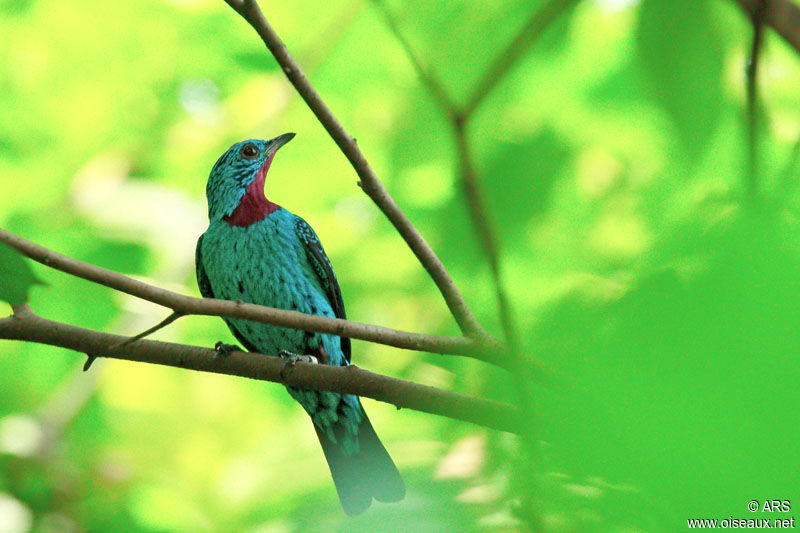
x,y
258,252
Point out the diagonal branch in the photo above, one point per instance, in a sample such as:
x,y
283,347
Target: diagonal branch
x,y
536,24
27,326
751,115
485,231
149,331
539,20
782,15
485,349
520,365
370,183
425,74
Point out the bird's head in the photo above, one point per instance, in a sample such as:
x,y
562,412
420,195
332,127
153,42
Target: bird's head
x,y
240,171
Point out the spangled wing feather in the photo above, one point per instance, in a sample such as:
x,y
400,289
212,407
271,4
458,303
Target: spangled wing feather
x,y
202,279
207,292
324,271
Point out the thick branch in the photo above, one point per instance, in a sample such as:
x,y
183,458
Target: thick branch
x,y
782,15
485,350
370,183
25,325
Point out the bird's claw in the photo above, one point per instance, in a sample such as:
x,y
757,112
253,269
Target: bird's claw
x,y
224,350
289,360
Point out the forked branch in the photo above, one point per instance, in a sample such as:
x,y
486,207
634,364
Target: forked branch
x,y
27,326
484,349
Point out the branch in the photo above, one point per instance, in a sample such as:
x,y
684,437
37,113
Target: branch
x,y
486,233
537,23
27,326
164,323
370,183
425,74
752,98
539,20
782,15
485,349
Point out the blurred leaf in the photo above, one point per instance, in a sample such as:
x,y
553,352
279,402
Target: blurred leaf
x,y
556,36
622,85
121,256
678,44
519,178
695,359
16,7
16,276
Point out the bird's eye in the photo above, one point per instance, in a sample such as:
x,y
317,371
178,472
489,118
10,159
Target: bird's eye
x,y
249,151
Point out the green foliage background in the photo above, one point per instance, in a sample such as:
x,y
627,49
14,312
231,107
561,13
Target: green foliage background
x,y
613,155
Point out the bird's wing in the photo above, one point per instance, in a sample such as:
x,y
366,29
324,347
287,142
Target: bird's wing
x,y
205,289
324,271
202,279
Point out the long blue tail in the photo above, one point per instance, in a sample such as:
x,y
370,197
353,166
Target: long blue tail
x,y
360,477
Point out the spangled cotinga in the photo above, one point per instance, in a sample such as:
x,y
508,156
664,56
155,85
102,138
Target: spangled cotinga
x,y
258,252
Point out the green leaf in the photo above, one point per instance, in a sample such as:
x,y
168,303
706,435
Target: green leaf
x,y
683,56
16,276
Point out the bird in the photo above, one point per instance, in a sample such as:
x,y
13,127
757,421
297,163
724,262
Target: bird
x,y
258,252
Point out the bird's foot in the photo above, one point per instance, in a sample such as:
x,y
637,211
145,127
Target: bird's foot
x,y
289,360
224,350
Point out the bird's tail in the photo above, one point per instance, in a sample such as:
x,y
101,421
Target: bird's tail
x,y
368,474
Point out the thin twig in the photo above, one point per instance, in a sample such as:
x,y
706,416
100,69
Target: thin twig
x,y
539,20
486,233
469,179
425,73
520,365
485,349
752,99
325,41
27,326
164,323
782,15
369,182
90,358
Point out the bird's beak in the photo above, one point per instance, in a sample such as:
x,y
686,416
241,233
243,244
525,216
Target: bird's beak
x,y
279,141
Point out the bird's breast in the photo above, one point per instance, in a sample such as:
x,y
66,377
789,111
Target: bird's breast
x,y
265,263
262,263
